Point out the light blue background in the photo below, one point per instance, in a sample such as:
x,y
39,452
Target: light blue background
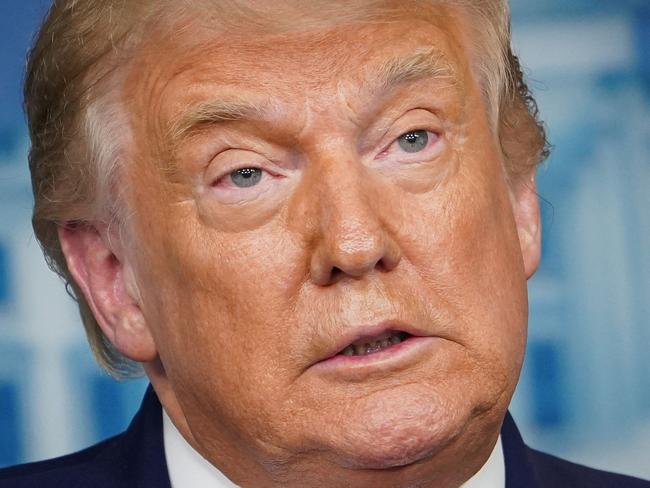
x,y
585,388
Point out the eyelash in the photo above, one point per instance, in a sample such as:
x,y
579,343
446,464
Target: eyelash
x,y
433,138
226,177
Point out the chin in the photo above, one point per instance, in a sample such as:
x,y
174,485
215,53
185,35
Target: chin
x,y
392,452
397,432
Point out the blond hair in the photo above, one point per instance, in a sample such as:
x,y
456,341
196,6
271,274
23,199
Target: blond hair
x,y
77,130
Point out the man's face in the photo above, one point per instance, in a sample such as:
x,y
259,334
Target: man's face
x,y
297,192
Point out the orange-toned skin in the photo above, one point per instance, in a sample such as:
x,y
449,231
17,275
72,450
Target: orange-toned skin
x,y
228,296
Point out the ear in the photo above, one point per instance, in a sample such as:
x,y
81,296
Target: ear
x,y
108,284
525,203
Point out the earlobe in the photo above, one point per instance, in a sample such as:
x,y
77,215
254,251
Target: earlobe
x,y
108,286
528,221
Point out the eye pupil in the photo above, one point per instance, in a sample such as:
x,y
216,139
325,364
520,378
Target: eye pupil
x,y
413,141
246,177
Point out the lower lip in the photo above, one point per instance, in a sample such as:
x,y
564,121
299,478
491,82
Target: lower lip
x,y
391,358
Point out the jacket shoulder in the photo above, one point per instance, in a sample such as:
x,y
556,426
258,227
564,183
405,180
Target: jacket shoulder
x,y
553,471
135,459
89,467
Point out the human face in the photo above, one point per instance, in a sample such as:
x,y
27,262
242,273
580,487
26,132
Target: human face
x,y
315,199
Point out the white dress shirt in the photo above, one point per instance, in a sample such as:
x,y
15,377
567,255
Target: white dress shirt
x,y
188,469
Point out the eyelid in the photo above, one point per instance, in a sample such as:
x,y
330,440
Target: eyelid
x,y
216,169
230,194
393,141
216,183
411,121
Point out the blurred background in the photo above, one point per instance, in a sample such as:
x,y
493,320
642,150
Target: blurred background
x,y
585,387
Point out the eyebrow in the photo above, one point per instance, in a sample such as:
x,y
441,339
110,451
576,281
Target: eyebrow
x,y
421,64
214,112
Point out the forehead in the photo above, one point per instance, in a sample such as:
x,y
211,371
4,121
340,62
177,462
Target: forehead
x,y
317,36
289,50
244,17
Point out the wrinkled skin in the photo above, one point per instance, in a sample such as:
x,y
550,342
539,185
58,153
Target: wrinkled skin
x,y
230,296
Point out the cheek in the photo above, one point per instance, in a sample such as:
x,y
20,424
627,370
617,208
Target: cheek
x,y
465,250
222,309
226,302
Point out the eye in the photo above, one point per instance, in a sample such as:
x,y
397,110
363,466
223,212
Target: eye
x,y
246,177
239,176
413,141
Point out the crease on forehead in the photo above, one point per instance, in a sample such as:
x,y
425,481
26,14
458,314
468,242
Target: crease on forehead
x,y
420,64
243,20
423,61
287,15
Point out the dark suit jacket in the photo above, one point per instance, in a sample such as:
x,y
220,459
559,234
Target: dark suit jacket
x,y
136,459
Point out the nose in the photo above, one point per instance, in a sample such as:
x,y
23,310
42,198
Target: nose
x,y
351,235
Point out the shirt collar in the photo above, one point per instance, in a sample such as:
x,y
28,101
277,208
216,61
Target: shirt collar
x,y
493,472
185,465
188,468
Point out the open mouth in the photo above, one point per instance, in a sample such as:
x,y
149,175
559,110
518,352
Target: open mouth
x,y
372,345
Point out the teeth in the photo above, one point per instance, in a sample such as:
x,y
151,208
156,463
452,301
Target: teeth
x,y
374,347
385,341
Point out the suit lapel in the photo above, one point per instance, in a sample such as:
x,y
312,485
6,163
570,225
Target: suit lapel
x,y
520,472
146,466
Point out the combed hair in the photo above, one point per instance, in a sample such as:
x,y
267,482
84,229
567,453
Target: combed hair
x,y
79,133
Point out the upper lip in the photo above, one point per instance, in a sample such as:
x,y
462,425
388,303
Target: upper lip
x,y
355,333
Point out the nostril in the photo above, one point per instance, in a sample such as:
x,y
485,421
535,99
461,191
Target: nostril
x,y
381,265
336,274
